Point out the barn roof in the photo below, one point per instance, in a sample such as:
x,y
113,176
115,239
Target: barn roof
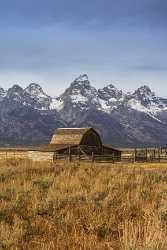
x,y
54,147
69,136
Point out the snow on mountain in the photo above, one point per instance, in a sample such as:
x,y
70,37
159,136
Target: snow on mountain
x,y
138,117
2,93
144,100
110,97
57,104
110,93
82,91
37,97
15,93
135,104
80,94
145,96
35,90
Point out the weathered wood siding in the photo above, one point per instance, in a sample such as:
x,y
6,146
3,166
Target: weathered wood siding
x,y
67,139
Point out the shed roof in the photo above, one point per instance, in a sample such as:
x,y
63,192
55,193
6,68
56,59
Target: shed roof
x,y
111,147
69,136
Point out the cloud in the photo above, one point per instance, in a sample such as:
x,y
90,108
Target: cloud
x,y
53,41
93,14
150,67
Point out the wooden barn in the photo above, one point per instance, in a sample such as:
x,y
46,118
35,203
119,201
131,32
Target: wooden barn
x,y
80,141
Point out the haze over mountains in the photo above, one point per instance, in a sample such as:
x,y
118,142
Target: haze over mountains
x,y
29,116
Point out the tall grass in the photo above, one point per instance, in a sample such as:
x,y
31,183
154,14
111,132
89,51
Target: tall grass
x,y
83,206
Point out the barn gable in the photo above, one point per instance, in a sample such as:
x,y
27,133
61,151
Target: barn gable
x,y
76,136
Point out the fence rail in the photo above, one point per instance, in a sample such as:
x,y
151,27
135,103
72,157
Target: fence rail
x,y
111,159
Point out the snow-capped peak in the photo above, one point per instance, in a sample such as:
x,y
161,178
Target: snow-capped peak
x,y
144,100
145,97
80,94
110,92
81,86
144,92
81,81
144,89
35,90
35,96
14,90
110,97
15,93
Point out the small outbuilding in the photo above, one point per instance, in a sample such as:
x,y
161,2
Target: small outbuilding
x,y
80,141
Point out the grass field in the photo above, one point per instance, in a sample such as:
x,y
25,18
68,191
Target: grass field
x,y
86,206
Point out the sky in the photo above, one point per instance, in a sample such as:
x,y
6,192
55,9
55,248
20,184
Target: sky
x,y
51,42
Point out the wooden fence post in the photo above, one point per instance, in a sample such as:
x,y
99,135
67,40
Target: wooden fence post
x,y
79,156
92,156
154,154
135,155
69,154
146,155
159,155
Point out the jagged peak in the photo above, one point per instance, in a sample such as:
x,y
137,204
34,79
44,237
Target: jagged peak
x,y
145,96
82,78
110,91
144,90
110,86
15,90
16,87
81,81
35,89
15,93
33,86
81,85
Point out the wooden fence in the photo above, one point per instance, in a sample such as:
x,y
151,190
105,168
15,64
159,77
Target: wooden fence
x,y
112,159
156,155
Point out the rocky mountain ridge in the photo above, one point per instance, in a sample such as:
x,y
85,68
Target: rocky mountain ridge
x,y
123,119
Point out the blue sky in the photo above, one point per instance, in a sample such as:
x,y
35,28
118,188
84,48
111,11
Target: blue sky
x,y
51,42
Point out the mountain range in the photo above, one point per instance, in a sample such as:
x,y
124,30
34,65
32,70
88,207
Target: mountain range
x,y
29,116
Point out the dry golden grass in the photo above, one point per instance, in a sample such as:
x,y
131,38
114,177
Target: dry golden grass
x,y
86,206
